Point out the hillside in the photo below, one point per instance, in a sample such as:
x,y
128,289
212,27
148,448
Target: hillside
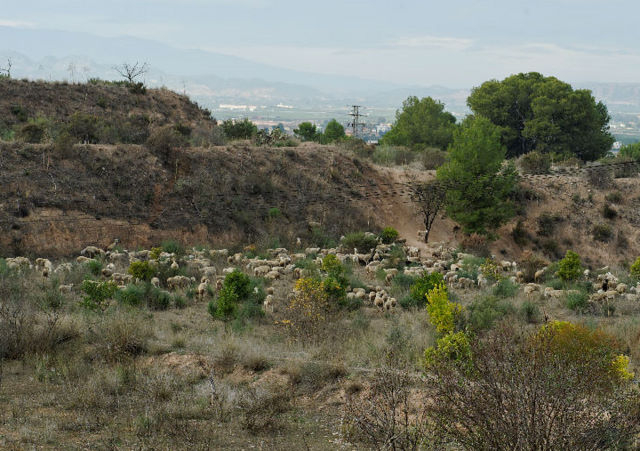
x,y
225,194
23,100
56,200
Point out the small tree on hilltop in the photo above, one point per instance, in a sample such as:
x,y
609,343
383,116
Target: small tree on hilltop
x,y
131,72
478,185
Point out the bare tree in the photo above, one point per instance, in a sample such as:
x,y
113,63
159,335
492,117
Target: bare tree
x,y
132,71
429,198
524,391
7,70
386,416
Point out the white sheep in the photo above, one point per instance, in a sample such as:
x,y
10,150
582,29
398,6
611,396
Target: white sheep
x,y
177,282
65,288
268,303
91,252
538,274
108,270
202,288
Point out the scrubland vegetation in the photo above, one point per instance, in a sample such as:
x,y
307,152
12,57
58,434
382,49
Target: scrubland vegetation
x,y
300,328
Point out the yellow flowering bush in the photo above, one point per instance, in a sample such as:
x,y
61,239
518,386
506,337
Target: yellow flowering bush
x,y
577,343
442,312
307,310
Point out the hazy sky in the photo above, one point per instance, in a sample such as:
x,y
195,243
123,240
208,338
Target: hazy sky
x,y
456,43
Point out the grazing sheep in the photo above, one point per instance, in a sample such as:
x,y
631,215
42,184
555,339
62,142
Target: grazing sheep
x,y
219,284
538,274
268,304
390,275
551,293
261,271
118,257
531,288
92,252
413,252
45,266
155,282
18,263
228,270
378,302
113,245
121,279
82,259
520,276
622,288
202,288
108,270
177,282
272,275
65,288
174,265
63,267
219,253
505,265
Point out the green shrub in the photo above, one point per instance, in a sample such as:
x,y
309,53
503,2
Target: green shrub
x,y
578,301
484,312
335,289
602,232
359,240
225,305
423,285
84,127
172,247
530,312
142,270
432,158
94,267
547,224
389,235
505,288
570,267
32,133
244,129
535,163
97,293
164,141
20,113
608,212
332,266
614,197
635,269
132,294
179,301
239,283
158,299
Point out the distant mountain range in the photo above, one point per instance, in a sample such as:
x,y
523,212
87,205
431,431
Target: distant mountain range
x,y
232,86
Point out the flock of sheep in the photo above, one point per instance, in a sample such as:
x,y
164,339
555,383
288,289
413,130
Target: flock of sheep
x,y
203,266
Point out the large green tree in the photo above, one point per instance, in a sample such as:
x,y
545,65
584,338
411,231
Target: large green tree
x,y
307,131
477,182
421,123
545,114
334,131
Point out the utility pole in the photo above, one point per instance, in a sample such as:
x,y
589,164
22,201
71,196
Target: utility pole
x,y
355,124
